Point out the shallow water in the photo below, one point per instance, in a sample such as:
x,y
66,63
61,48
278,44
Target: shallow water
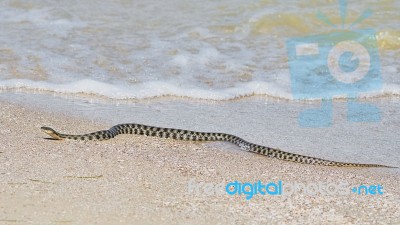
x,y
200,49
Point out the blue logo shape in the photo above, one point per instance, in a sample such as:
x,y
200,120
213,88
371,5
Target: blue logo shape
x,y
341,63
368,189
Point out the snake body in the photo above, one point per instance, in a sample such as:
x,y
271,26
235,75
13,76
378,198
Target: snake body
x,y
188,135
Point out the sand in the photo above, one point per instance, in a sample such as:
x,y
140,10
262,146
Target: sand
x,y
145,180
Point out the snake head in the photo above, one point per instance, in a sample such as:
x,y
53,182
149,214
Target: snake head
x,y
51,132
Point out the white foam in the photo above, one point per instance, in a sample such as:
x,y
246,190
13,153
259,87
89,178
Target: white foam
x,y
159,89
145,90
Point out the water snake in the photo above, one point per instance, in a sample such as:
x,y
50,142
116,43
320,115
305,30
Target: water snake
x,y
188,135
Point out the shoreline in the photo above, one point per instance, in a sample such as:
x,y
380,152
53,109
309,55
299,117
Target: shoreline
x,y
105,99
267,122
141,179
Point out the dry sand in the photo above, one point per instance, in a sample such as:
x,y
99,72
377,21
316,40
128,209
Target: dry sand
x,y
144,180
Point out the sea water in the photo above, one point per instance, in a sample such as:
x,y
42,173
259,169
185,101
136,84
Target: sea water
x,y
215,50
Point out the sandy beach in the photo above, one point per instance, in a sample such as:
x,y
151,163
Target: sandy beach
x,y
318,79
146,180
